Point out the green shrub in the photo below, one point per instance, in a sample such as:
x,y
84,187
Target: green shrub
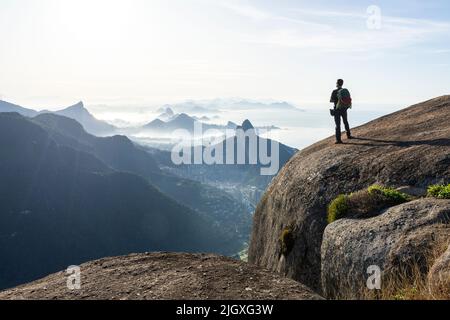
x,y
287,240
365,203
338,208
390,194
439,191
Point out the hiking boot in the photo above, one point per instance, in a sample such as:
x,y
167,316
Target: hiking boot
x,y
350,137
338,142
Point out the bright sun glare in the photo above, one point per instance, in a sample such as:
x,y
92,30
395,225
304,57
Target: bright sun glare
x,y
94,21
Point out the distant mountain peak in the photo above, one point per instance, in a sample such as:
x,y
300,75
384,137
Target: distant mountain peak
x,y
183,118
78,107
79,113
157,121
166,114
247,125
76,112
155,124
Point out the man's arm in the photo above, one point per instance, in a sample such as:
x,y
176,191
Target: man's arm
x,y
334,97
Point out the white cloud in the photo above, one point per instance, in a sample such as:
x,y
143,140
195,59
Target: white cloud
x,y
336,31
326,13
246,10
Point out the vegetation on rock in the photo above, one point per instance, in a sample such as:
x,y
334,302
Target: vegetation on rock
x,y
389,194
286,241
338,208
365,202
415,284
439,191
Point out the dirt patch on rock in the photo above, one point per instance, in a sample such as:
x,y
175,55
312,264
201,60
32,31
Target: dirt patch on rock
x,y
161,276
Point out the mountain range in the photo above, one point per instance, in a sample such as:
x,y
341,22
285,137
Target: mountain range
x,y
77,112
216,106
62,206
168,122
77,196
181,121
121,154
244,181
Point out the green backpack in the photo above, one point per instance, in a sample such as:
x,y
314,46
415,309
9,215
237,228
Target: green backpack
x,y
345,99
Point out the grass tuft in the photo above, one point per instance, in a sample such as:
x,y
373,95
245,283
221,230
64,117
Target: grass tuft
x,y
287,240
390,194
411,282
439,191
365,203
338,208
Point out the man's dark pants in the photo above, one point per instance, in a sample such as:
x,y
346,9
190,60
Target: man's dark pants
x,y
337,118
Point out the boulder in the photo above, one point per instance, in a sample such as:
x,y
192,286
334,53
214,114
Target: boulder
x,y
398,242
407,148
439,277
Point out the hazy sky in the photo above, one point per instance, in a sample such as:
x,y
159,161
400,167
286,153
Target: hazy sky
x,y
56,52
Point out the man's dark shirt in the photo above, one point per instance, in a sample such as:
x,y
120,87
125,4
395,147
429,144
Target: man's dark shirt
x,y
334,97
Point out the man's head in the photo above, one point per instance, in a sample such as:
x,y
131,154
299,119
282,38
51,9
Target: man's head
x,y
340,83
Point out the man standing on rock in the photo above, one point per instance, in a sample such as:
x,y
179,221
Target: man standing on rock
x,y
342,102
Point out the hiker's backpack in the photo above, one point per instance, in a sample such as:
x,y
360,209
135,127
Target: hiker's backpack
x,y
345,99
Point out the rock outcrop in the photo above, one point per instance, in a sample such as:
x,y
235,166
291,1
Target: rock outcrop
x,y
407,148
398,242
165,276
439,276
